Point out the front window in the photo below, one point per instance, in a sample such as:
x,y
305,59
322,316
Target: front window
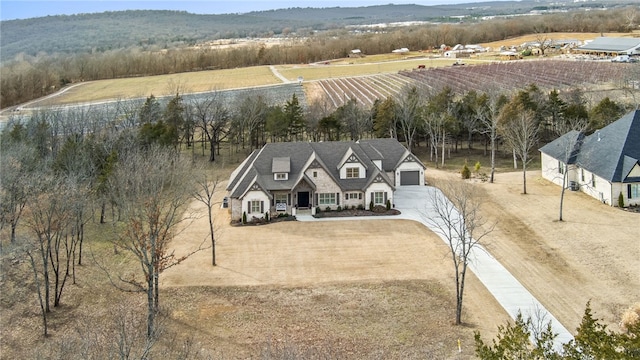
x,y
593,180
256,206
353,173
281,176
560,167
378,197
281,202
352,196
326,199
582,174
634,191
280,198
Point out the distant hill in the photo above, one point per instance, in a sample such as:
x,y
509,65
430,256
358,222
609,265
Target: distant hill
x,y
86,33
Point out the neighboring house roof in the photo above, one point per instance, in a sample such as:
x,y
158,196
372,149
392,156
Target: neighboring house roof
x,y
565,148
611,152
260,166
612,44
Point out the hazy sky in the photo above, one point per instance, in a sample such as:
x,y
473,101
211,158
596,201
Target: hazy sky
x,y
19,9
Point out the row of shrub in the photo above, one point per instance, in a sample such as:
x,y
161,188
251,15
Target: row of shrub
x,y
353,207
267,218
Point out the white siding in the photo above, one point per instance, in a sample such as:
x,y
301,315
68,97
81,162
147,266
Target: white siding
x,y
550,170
361,171
255,196
349,203
236,209
375,187
601,191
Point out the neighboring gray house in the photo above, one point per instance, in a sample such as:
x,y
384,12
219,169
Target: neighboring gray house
x,y
612,46
281,177
603,164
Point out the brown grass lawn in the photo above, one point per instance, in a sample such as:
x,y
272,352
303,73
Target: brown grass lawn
x,y
164,85
593,255
359,289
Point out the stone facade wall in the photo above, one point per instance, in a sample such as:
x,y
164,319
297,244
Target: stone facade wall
x,y
324,184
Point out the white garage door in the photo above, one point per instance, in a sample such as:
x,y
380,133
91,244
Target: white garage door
x,y
410,178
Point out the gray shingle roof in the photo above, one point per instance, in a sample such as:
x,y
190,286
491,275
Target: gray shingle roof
x,y
281,165
261,164
610,152
565,148
611,44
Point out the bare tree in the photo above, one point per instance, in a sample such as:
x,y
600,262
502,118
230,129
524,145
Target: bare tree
x,y
488,114
437,120
153,187
205,189
48,216
566,147
457,220
212,117
39,286
252,116
409,113
16,163
631,14
544,42
519,129
316,110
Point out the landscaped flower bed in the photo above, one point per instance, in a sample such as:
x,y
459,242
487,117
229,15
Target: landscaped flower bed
x,y
377,211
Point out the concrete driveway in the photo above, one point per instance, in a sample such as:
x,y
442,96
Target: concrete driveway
x,y
415,204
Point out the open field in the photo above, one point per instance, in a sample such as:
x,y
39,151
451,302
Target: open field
x,y
201,81
164,85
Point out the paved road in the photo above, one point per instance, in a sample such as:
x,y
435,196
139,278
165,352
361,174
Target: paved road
x,y
414,203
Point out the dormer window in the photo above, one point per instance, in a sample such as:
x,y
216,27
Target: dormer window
x,y
281,176
353,173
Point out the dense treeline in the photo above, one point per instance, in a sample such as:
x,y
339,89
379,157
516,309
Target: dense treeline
x,y
31,77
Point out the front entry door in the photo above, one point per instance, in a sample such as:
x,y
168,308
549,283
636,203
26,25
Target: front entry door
x,y
303,199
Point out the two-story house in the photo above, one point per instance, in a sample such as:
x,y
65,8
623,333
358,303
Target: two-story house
x,y
305,175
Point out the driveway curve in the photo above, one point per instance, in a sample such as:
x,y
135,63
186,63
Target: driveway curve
x,y
414,204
